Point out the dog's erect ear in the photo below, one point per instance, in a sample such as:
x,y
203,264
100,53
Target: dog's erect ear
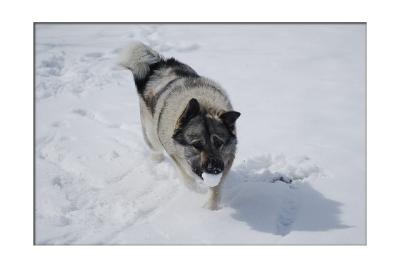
x,y
178,136
192,109
229,119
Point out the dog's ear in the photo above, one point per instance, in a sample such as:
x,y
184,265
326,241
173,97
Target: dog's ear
x,y
178,136
192,109
229,119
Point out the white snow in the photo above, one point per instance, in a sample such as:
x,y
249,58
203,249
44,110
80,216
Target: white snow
x,y
300,90
211,180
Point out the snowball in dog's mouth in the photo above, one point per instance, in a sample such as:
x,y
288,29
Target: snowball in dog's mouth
x,y
211,180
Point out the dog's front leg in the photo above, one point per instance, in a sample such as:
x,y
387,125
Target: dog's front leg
x,y
214,193
214,197
188,180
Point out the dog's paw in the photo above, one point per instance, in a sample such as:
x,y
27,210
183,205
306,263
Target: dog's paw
x,y
211,205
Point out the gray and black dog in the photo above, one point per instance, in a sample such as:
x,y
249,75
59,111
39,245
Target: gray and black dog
x,y
184,114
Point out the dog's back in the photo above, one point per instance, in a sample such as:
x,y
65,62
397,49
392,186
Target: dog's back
x,y
152,72
165,86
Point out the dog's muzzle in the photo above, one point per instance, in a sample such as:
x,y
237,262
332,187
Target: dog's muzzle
x,y
214,166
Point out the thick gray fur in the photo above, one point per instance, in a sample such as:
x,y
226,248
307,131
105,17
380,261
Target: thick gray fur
x,y
186,115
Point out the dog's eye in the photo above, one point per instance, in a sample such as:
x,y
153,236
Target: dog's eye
x,y
217,142
198,145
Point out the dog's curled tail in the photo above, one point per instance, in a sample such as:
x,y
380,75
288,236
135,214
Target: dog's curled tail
x,y
138,57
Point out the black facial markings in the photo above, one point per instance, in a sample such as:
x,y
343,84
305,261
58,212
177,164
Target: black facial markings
x,y
198,145
208,131
204,133
217,142
207,135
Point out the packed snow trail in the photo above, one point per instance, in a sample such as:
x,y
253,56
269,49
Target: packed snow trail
x,y
299,175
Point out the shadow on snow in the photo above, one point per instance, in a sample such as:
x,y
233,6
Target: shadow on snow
x,y
277,207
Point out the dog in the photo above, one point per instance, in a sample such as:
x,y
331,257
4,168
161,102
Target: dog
x,y
188,116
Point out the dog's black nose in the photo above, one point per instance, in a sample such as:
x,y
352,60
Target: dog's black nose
x,y
214,166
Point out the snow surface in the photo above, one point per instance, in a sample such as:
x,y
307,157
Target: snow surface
x,y
299,175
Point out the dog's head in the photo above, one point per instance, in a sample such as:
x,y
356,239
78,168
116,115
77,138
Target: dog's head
x,y
208,137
